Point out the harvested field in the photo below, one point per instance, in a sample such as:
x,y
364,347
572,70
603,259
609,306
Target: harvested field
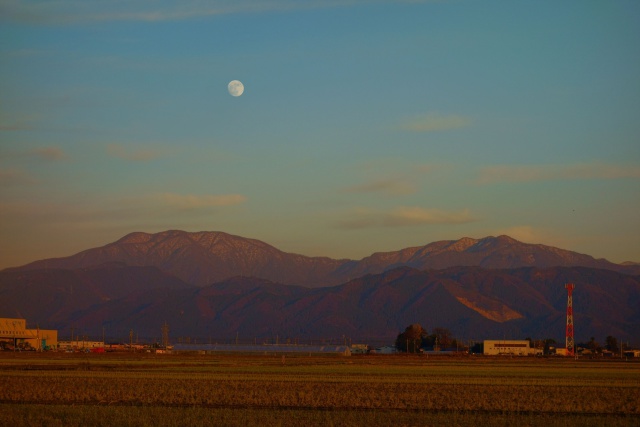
x,y
131,389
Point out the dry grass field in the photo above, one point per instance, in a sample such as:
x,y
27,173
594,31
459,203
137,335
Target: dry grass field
x,y
163,390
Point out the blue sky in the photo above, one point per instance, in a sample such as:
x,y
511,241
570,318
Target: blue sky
x,y
365,126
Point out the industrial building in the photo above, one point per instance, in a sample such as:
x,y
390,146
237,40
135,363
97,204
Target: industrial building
x,y
15,335
509,347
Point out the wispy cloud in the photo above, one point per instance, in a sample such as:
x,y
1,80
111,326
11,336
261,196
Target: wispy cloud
x,y
191,201
393,187
392,177
87,11
530,173
133,155
434,122
49,153
403,216
11,122
15,176
407,215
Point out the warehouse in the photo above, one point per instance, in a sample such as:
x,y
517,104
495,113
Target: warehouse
x,y
508,347
15,335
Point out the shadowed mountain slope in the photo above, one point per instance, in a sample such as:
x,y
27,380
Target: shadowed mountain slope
x,y
473,302
51,296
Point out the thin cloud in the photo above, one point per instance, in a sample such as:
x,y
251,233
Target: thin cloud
x,y
532,173
88,11
434,122
66,12
133,155
392,187
17,122
191,201
49,153
403,216
392,176
407,215
15,176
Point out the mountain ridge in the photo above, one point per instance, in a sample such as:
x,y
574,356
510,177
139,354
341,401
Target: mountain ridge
x,y
206,257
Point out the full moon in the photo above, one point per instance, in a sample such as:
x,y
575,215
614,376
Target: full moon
x,y
235,87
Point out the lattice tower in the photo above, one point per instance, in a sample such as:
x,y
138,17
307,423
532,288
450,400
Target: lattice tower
x,y
570,343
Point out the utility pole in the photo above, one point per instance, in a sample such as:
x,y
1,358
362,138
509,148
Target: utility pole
x,y
165,335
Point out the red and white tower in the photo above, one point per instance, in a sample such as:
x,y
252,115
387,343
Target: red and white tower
x,y
569,335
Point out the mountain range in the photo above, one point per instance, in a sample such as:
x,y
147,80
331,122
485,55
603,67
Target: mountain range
x,y
204,258
212,284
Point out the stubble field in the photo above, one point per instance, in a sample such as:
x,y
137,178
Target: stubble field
x,y
163,390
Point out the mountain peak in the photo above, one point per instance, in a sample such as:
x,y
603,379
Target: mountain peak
x,y
462,244
135,237
506,239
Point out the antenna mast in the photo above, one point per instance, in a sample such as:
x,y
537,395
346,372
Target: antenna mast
x,y
569,334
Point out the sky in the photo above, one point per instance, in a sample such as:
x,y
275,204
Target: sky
x,y
364,126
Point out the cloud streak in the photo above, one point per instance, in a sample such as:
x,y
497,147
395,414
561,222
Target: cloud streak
x,y
403,216
393,187
15,176
49,153
65,12
533,173
17,122
434,122
191,201
132,155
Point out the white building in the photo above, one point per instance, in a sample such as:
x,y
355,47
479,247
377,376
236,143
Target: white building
x,y
509,347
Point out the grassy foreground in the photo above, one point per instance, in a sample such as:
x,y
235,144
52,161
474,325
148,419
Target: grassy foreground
x,y
127,389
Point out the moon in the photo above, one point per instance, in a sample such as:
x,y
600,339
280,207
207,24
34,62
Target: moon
x,y
236,88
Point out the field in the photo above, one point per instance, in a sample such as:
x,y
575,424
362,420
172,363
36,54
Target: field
x,y
162,390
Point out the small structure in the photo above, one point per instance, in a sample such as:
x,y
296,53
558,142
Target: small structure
x,y
359,349
80,345
387,349
508,347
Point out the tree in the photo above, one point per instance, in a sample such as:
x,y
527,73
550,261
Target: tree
x,y
477,348
444,336
410,340
612,344
548,343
